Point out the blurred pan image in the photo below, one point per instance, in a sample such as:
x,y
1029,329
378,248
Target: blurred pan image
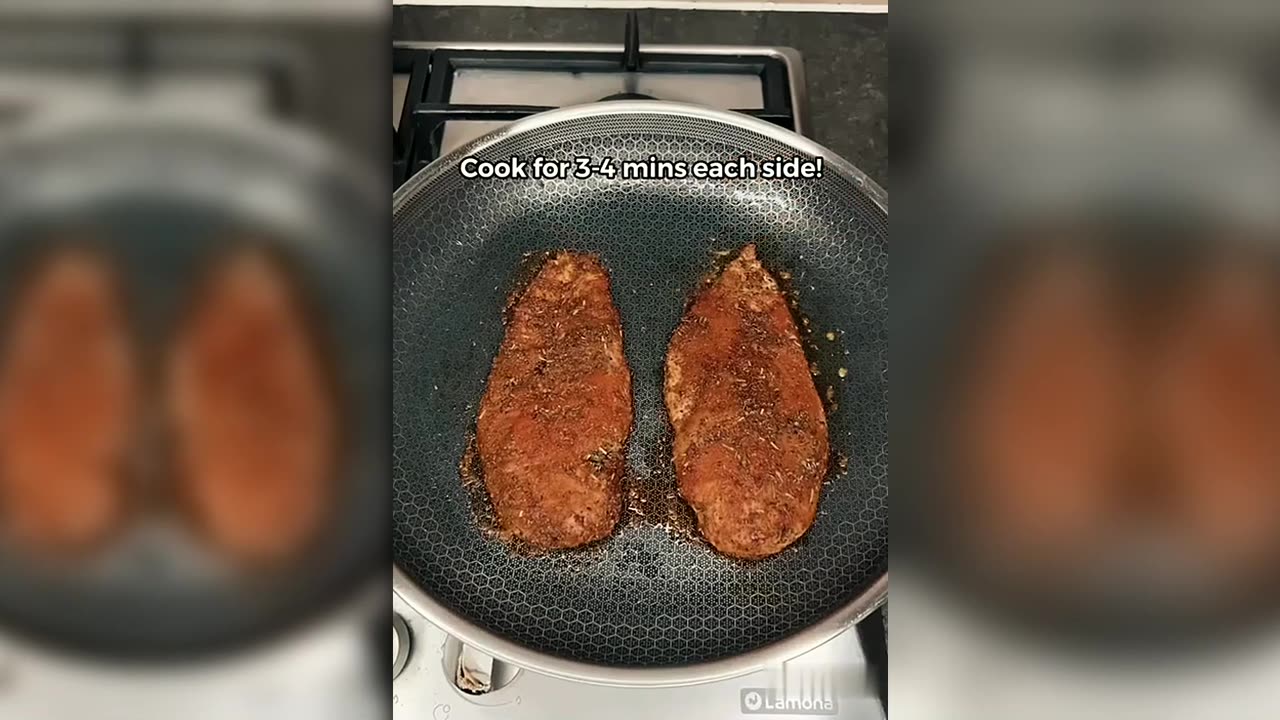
x,y
192,399
1110,436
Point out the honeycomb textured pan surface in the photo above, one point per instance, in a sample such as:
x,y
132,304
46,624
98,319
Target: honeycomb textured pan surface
x,y
652,594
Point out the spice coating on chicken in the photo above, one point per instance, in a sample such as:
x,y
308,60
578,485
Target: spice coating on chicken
x,y
751,447
1218,413
67,402
254,414
556,414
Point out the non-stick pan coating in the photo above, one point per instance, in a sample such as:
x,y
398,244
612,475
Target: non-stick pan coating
x,y
648,596
161,198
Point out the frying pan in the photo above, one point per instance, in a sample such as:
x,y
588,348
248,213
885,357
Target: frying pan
x,y
653,604
942,313
161,192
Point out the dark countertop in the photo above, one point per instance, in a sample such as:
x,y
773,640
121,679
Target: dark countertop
x,y
846,56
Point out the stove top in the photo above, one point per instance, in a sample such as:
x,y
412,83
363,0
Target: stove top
x,y
447,94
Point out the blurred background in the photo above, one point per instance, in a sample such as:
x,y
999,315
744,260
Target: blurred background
x,y
193,354
1086,327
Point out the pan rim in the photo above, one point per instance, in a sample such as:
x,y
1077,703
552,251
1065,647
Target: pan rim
x,y
447,162
453,623
460,627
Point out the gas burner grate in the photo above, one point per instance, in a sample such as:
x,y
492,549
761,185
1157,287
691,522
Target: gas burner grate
x,y
418,138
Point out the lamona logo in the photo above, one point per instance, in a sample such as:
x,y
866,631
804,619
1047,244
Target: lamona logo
x,y
767,701
797,704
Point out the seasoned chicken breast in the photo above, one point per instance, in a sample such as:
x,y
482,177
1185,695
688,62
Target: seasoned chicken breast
x,y
67,402
254,416
1043,415
750,432
556,414
1217,396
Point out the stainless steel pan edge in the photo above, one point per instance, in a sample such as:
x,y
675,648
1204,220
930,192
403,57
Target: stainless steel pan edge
x,y
802,144
797,644
503,649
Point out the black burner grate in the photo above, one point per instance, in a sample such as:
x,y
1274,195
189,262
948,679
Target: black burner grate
x,y
431,72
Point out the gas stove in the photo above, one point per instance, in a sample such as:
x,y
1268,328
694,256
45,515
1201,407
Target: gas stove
x,y
447,94
443,96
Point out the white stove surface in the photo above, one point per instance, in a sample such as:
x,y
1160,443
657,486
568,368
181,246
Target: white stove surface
x,y
831,681
320,672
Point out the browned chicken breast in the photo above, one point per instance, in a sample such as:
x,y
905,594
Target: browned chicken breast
x,y
254,416
1218,400
555,417
750,432
1044,413
67,401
